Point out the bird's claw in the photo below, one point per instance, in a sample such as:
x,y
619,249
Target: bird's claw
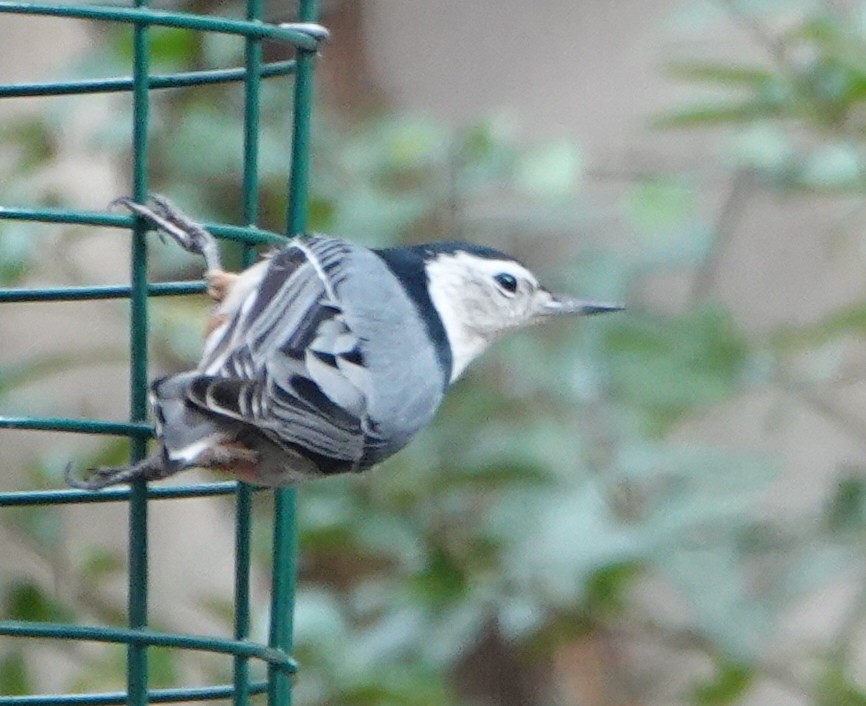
x,y
150,468
96,479
170,220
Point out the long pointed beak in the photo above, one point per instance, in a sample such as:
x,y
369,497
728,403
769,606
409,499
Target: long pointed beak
x,y
564,304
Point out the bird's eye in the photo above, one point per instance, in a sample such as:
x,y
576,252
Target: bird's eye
x,y
506,282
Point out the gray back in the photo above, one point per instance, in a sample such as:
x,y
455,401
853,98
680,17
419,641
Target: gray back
x,y
408,379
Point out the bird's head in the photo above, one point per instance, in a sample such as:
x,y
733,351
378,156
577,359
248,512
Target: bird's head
x,y
481,293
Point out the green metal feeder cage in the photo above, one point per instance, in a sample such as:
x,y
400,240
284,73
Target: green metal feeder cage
x,y
276,654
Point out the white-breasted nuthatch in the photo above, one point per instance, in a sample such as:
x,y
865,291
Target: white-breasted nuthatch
x,y
327,357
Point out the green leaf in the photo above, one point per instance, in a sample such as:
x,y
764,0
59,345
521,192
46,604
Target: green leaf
x,y
100,563
455,629
823,29
554,541
318,618
658,205
398,684
162,672
667,367
17,251
221,607
321,212
27,601
15,679
442,580
413,142
836,688
607,588
717,113
730,682
813,567
838,324
487,145
712,582
725,74
35,143
550,171
762,146
172,49
846,509
834,166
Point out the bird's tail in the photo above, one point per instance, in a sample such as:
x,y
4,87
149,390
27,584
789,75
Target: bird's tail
x,y
185,435
188,433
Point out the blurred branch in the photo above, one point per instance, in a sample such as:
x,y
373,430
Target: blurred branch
x,y
850,423
758,32
705,277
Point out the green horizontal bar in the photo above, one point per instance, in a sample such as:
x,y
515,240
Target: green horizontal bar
x,y
249,234
26,498
155,696
113,85
79,426
129,636
113,291
65,215
178,20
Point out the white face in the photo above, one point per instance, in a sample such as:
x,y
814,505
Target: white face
x,y
479,299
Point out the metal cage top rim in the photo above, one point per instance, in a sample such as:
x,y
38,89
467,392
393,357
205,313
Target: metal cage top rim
x,y
254,29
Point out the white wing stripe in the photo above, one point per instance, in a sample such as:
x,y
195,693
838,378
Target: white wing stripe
x,y
286,337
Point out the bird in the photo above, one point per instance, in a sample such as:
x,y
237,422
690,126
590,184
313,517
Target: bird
x,y
327,357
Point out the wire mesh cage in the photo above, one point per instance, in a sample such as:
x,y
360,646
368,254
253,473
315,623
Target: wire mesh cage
x,y
275,655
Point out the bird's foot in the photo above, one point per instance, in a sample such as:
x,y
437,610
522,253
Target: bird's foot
x,y
187,233
151,468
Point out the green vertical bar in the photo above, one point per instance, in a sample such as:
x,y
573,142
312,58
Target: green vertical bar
x,y
243,529
282,592
285,534
296,218
251,125
243,501
137,672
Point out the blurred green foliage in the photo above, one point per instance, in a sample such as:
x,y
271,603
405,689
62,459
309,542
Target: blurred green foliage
x,y
555,494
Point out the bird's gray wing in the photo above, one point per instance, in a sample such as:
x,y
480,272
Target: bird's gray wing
x,y
286,361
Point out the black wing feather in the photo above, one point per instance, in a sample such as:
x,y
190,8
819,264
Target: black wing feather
x,y
288,364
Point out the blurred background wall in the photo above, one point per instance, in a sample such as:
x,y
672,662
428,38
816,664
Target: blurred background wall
x,y
662,509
